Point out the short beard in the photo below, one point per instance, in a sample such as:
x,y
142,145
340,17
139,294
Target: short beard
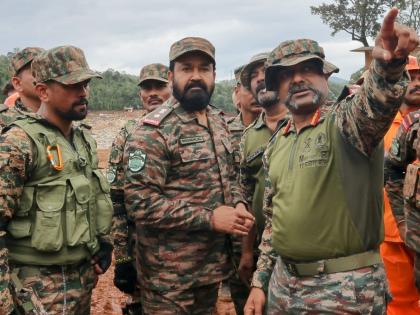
x,y
73,115
195,102
293,107
267,98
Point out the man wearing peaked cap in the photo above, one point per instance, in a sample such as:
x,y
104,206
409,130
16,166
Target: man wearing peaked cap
x,y
55,209
324,207
181,189
154,91
23,83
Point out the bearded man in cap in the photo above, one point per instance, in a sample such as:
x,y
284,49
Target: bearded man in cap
x,y
23,82
55,209
153,92
182,190
323,194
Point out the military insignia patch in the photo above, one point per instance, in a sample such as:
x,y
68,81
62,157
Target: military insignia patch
x,y
111,174
191,140
136,160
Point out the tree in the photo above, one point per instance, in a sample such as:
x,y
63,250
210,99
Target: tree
x,y
359,18
410,13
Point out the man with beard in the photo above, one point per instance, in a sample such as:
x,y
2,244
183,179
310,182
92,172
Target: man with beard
x,y
182,190
55,210
323,193
23,83
404,199
397,257
154,90
253,144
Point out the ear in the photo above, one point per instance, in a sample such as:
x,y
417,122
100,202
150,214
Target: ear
x,y
42,90
170,77
16,82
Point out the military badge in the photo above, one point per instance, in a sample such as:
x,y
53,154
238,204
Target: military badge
x,y
136,160
111,174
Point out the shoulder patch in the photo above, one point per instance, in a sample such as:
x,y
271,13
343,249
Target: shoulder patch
x,y
3,108
157,116
410,119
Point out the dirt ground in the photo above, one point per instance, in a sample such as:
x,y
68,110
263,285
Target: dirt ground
x,y
107,299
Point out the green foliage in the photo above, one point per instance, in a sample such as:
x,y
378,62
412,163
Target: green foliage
x,y
359,18
222,96
115,91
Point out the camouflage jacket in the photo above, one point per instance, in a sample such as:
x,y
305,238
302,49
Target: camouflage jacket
x,y
115,175
236,129
8,115
401,153
402,178
178,172
362,120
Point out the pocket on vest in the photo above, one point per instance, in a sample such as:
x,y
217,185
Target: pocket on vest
x,y
20,226
48,232
104,208
77,223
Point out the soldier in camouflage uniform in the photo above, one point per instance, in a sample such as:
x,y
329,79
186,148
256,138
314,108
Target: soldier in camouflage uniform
x,y
55,209
22,80
404,194
253,143
181,189
154,90
323,192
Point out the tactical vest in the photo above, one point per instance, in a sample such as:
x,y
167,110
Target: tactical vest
x,y
61,212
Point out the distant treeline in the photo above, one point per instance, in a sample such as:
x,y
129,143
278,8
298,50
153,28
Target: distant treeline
x,y
118,90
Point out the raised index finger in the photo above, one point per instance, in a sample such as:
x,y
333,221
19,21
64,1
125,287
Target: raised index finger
x,y
387,27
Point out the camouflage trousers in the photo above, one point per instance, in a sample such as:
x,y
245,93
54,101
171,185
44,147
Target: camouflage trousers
x,y
361,291
239,293
60,289
197,301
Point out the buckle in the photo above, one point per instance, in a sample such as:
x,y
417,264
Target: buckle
x,y
291,268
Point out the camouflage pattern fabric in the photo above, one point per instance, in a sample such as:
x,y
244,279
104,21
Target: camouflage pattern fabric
x,y
173,183
60,289
22,58
9,115
189,44
189,302
64,64
359,291
292,52
245,75
371,111
401,153
237,74
6,301
154,71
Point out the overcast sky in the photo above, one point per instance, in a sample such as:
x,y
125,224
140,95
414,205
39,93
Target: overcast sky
x,y
127,34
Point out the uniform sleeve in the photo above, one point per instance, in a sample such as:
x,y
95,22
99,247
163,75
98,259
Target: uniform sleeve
x,y
115,175
268,256
400,154
15,159
246,182
148,164
364,118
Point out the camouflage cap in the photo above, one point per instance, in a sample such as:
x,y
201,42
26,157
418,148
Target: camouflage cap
x,y
292,52
64,64
189,44
154,71
22,58
246,71
237,73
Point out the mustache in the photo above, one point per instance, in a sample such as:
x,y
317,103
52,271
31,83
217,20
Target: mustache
x,y
195,84
295,88
414,89
81,101
154,98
